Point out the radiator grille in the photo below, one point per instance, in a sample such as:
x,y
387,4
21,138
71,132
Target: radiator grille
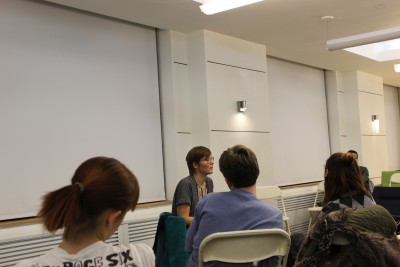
x,y
15,250
300,201
113,239
299,227
142,230
296,209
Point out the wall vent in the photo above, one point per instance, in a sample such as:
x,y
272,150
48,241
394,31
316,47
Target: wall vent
x,y
141,228
296,209
12,251
140,231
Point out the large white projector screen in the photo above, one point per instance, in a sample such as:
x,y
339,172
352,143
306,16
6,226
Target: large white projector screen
x,y
73,86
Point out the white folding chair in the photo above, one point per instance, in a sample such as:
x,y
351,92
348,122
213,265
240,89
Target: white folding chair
x,y
273,196
315,210
245,246
394,178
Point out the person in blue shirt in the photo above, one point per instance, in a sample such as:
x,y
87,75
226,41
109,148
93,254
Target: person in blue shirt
x,y
238,209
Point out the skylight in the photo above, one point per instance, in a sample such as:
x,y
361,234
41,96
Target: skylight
x,y
382,51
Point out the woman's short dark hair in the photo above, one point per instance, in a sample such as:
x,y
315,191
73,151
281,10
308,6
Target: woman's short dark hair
x,y
195,155
239,165
99,184
342,176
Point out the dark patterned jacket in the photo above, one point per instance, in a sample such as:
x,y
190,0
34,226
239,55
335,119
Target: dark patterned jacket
x,y
371,237
349,200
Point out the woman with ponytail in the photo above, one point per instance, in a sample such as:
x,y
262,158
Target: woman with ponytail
x,y
89,211
344,185
351,230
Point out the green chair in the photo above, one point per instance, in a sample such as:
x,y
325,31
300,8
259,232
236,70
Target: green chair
x,y
395,180
386,179
169,242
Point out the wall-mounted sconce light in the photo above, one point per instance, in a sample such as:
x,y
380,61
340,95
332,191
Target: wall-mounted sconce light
x,y
397,67
242,105
375,123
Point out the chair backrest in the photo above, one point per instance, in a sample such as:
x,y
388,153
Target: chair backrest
x,y
320,188
386,177
395,177
245,246
169,241
315,210
272,195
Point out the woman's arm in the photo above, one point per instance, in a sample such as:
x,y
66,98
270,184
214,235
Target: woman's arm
x,y
183,211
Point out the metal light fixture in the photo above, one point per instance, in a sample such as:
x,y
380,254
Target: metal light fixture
x,y
363,39
242,105
375,123
210,7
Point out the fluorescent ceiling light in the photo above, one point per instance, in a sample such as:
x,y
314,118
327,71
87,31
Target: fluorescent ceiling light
x,y
210,7
363,39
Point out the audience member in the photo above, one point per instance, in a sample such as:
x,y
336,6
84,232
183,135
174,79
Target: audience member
x,y
344,187
238,209
352,237
364,172
351,230
89,211
194,187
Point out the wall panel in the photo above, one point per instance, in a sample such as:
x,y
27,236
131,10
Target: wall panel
x,y
74,85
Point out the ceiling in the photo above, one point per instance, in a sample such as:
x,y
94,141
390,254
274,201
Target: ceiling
x,y
290,29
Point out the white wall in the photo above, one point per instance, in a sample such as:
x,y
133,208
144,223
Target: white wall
x,y
217,71
391,102
73,86
202,76
356,96
176,106
222,70
299,122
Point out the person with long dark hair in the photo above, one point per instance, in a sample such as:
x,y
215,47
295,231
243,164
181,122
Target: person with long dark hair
x,y
351,230
344,185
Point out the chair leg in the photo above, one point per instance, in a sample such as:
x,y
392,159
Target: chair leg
x,y
309,224
287,227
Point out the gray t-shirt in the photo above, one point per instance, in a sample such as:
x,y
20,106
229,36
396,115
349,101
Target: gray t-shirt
x,y
187,192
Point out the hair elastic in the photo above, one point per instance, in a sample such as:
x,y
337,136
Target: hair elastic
x,y
81,187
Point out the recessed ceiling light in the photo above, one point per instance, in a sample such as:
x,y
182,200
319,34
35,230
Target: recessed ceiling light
x,y
382,51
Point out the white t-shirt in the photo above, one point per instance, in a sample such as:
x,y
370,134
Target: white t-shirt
x,y
96,255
